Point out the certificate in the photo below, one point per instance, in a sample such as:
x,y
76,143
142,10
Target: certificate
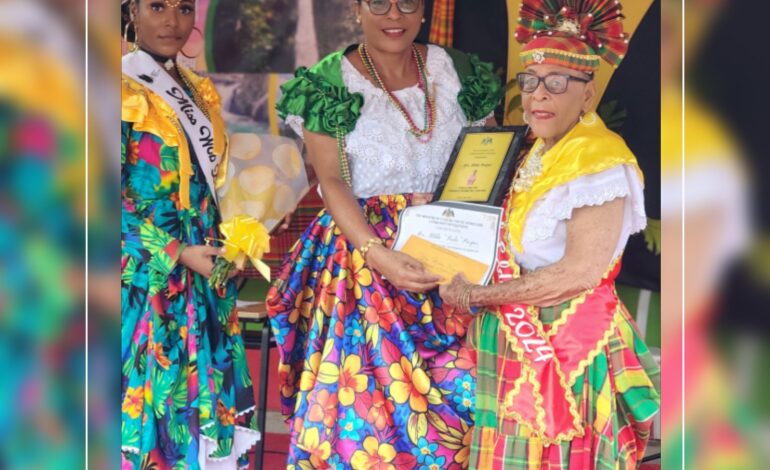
x,y
482,165
451,238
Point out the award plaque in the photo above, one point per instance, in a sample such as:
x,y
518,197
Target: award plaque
x,y
482,165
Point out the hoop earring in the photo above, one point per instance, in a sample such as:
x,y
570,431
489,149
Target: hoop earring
x,y
588,123
525,118
181,51
135,45
132,46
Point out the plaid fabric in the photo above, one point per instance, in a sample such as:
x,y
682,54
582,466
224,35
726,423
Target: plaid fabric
x,y
617,396
558,50
280,245
442,23
596,23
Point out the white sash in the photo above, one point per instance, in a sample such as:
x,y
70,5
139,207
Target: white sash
x,y
200,133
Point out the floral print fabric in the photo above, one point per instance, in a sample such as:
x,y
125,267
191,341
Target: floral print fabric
x,y
371,377
186,391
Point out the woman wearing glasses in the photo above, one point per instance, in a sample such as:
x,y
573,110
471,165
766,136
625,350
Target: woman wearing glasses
x,y
564,380
372,369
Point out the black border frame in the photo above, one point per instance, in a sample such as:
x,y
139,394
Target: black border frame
x,y
507,170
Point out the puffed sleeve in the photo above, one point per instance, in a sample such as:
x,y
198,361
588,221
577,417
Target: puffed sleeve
x,y
318,100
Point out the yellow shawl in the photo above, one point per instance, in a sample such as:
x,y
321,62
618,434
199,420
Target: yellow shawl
x,y
584,150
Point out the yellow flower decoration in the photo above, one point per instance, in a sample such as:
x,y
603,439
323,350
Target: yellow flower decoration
x,y
347,376
361,275
134,401
410,383
308,378
246,237
376,455
310,442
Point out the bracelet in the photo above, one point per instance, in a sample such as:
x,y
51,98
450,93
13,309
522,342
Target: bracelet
x,y
465,298
369,243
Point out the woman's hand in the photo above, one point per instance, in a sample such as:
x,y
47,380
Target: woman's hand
x,y
401,270
592,235
452,292
419,199
199,258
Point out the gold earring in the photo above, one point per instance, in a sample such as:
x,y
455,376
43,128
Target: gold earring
x,y
588,123
134,45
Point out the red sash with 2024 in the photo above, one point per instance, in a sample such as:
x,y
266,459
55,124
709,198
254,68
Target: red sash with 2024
x,y
555,356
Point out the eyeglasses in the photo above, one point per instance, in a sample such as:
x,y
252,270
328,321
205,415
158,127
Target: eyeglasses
x,y
555,83
382,7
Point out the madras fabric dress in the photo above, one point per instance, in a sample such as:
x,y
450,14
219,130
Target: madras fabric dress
x,y
612,380
617,403
187,396
372,377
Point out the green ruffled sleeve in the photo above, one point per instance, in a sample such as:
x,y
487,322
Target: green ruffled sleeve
x,y
320,97
481,90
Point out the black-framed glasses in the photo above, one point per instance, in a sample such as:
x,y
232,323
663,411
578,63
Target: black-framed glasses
x,y
382,7
555,83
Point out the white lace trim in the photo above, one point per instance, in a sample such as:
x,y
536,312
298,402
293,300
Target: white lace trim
x,y
243,440
295,123
557,205
384,157
483,121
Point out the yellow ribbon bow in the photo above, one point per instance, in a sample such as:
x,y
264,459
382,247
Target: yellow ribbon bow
x,y
246,237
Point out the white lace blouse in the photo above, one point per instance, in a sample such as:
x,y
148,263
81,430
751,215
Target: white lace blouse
x,y
545,231
385,158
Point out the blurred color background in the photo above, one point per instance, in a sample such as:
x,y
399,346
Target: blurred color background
x,y
715,223
713,204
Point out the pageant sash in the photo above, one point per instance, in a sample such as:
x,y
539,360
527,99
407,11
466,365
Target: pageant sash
x,y
200,132
549,362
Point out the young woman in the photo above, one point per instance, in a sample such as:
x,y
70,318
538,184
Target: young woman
x,y
186,392
372,365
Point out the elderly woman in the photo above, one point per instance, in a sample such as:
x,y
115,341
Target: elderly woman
x,y
564,380
372,369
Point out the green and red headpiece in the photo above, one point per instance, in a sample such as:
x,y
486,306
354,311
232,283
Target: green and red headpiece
x,y
571,33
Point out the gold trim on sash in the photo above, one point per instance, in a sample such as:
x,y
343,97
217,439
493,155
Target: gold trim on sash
x,y
578,301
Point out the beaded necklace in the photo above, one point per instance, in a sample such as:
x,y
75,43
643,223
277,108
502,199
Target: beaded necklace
x,y
529,170
423,135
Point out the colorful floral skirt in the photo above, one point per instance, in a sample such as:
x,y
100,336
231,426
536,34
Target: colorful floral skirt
x,y
369,374
617,396
187,396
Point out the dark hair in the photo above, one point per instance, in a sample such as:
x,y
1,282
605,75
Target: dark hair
x,y
125,19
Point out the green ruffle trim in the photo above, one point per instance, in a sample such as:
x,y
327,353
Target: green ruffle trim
x,y
320,97
481,90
